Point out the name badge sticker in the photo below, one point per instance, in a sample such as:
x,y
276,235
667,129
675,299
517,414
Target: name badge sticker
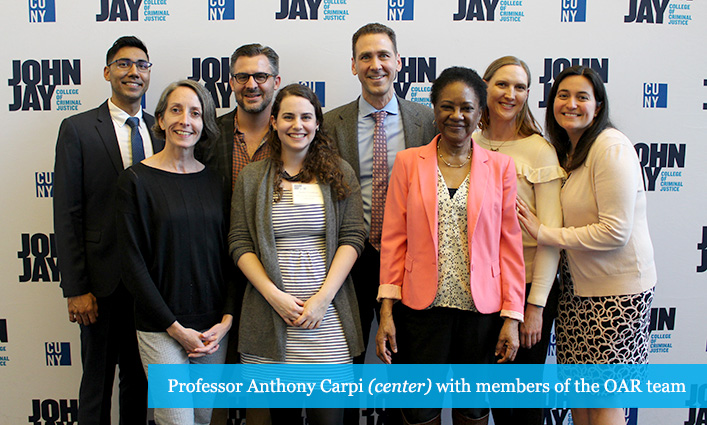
x,y
307,193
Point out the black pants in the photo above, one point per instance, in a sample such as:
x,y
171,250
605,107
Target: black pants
x,y
534,355
444,336
108,343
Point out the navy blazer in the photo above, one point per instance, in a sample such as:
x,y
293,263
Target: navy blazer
x,y
86,169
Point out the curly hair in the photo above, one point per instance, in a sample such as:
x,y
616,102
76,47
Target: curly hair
x,y
322,161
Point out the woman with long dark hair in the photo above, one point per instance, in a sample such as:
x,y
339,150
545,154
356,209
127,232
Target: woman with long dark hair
x,y
607,271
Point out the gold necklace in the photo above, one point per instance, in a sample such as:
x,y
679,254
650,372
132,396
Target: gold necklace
x,y
468,157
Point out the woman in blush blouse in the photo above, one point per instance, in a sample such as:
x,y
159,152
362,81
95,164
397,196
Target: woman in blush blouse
x,y
507,126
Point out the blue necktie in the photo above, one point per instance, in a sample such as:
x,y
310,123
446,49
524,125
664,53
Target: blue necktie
x,y
136,140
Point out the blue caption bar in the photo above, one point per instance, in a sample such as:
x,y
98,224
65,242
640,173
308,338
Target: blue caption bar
x,y
551,386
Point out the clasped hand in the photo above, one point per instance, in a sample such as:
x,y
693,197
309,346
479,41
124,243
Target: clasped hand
x,y
295,312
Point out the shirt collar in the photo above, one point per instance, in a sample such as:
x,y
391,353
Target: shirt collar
x,y
120,116
365,109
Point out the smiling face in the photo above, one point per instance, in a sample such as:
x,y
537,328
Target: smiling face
x,y
182,121
296,124
575,106
457,113
129,85
252,97
507,93
376,64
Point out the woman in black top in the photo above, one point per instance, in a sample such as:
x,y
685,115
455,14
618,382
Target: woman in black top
x,y
173,240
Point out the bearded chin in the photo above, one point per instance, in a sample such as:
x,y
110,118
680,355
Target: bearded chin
x,y
255,109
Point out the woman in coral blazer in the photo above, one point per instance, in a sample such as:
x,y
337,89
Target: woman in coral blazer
x,y
451,249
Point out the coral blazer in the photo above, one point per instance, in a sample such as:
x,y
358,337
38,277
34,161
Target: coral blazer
x,y
409,247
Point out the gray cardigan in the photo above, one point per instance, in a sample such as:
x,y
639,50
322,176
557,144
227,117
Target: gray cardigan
x,y
262,331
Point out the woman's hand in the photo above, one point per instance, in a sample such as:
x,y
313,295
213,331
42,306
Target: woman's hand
x,y
213,337
313,312
531,329
188,338
386,333
527,219
507,345
289,307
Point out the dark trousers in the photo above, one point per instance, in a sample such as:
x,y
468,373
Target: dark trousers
x,y
444,336
108,343
533,355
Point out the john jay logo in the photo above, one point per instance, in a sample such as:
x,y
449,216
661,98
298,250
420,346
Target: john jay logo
x,y
58,353
480,10
44,182
42,11
661,160
702,247
655,95
415,71
33,84
334,10
3,331
400,10
119,10
574,11
38,255
214,73
697,416
553,67
51,412
662,321
564,417
319,88
220,10
653,12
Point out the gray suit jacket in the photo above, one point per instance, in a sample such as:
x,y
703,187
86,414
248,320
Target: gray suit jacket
x,y
342,125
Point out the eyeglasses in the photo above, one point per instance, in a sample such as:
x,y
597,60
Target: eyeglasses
x,y
141,65
259,77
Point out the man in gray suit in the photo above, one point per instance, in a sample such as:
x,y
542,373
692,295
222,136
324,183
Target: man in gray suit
x,y
375,62
92,149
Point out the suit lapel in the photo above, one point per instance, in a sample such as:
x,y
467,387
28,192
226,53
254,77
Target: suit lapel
x,y
157,143
478,181
347,133
104,126
411,123
427,180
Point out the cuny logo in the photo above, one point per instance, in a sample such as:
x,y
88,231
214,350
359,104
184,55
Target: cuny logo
x,y
400,10
574,11
58,353
319,88
655,158
221,10
702,247
214,73
44,182
42,11
33,83
38,255
655,95
416,70
553,67
52,412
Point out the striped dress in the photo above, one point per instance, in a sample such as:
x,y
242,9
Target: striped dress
x,y
301,252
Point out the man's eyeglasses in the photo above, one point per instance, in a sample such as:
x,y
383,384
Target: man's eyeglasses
x,y
259,77
141,65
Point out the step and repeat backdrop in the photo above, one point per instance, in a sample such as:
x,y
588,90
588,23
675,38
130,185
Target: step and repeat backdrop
x,y
650,53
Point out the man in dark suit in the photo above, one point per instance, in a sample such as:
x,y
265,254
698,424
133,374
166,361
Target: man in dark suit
x,y
375,62
92,149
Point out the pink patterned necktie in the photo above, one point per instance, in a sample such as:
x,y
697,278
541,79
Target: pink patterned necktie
x,y
380,178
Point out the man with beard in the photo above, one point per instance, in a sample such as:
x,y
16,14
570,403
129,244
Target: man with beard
x,y
244,134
